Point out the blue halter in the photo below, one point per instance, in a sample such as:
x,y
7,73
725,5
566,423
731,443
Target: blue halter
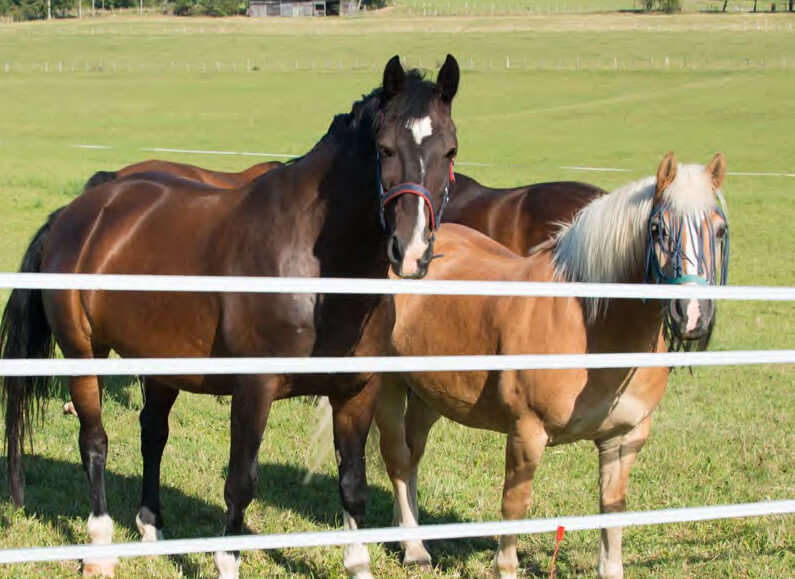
x,y
386,197
705,256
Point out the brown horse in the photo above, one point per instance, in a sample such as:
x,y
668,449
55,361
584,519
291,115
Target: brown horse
x,y
366,196
219,179
519,218
664,229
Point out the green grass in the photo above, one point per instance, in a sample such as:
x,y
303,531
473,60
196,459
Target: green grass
x,y
721,435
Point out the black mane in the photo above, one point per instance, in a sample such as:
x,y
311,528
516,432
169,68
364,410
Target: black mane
x,y
412,102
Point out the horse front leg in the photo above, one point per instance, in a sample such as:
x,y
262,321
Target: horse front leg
x,y
391,418
616,456
93,441
352,417
524,447
158,401
251,403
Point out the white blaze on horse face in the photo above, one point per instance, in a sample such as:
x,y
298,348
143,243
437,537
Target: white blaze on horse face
x,y
417,245
420,128
690,267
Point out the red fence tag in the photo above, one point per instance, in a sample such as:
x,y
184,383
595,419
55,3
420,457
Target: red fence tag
x,y
558,540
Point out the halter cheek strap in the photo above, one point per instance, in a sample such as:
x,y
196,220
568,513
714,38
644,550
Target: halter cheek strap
x,y
386,197
706,257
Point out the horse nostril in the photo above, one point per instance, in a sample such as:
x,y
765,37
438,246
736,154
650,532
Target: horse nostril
x,y
395,250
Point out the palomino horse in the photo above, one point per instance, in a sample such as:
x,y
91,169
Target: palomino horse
x,y
668,229
220,179
365,196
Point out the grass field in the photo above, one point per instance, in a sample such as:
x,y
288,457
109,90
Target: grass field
x,y
721,435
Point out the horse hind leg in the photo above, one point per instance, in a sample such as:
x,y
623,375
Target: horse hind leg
x,y
524,447
158,401
93,441
616,457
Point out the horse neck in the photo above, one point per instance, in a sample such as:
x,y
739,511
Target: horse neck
x,y
336,183
612,325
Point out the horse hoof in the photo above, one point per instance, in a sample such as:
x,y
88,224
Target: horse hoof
x,y
419,566
69,408
421,563
100,568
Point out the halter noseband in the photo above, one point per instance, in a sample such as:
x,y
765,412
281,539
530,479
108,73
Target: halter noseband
x,y
386,197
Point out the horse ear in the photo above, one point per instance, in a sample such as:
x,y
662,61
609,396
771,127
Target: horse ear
x,y
717,170
447,81
666,173
394,78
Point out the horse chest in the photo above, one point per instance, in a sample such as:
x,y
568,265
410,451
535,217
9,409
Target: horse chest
x,y
604,417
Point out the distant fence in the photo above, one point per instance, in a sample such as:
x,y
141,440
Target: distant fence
x,y
467,63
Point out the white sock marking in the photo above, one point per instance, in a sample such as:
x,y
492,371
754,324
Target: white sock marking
x,y
149,533
100,529
420,128
355,556
227,564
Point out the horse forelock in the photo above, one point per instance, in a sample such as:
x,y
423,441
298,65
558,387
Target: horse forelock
x,y
369,114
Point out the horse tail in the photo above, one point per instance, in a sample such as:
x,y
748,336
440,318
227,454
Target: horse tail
x,y
24,333
99,178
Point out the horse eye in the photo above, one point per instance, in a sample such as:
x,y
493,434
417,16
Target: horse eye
x,y
452,153
386,151
720,233
655,229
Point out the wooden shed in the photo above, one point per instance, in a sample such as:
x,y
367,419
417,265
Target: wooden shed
x,y
264,8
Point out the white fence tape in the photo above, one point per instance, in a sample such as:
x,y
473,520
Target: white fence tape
x,y
393,534
356,364
460,163
311,285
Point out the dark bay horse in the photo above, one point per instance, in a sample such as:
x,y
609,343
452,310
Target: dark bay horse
x,y
367,196
663,229
221,179
520,218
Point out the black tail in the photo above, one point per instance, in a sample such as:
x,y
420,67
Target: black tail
x,y
24,333
99,178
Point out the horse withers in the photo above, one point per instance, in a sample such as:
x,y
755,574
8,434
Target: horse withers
x,y
663,229
364,198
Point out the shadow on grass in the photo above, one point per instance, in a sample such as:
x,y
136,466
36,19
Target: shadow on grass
x,y
280,485
56,491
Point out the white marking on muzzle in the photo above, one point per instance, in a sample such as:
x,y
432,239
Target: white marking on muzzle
x,y
420,128
693,313
690,267
417,245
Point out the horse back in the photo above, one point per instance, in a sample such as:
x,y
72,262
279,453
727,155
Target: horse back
x,y
519,218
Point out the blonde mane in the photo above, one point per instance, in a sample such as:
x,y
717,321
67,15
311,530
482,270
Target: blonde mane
x,y
606,241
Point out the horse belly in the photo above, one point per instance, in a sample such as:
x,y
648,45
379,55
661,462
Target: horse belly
x,y
462,397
